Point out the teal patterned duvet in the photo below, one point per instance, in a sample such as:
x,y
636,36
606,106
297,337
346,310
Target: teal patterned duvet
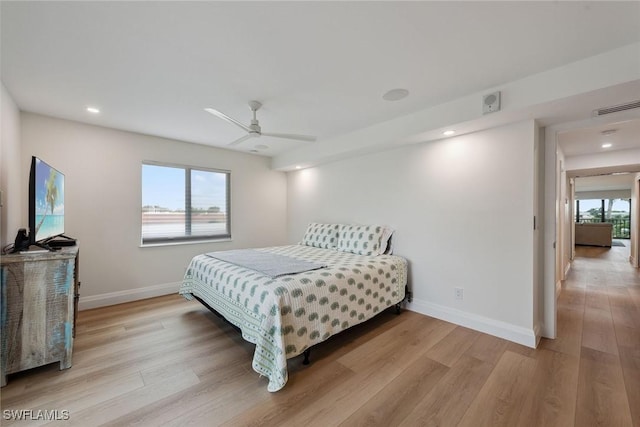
x,y
284,316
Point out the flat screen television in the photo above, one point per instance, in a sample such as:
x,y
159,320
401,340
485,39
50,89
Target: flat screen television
x,y
46,202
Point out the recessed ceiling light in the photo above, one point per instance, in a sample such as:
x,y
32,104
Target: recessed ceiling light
x,y
93,110
448,132
606,145
395,94
298,167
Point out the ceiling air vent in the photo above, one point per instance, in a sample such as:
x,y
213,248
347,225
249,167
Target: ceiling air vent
x,y
617,108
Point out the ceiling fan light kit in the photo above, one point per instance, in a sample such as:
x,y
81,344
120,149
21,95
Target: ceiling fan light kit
x,y
254,130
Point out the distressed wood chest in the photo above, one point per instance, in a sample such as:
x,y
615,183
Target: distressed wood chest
x,y
37,309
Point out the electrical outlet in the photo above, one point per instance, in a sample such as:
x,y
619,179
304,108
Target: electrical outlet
x,y
459,292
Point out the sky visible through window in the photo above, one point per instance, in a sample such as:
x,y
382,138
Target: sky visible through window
x,y
620,205
208,189
163,186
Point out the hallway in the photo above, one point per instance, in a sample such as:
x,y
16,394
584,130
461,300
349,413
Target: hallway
x,y
599,323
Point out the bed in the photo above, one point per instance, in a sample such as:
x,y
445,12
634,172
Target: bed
x,y
351,278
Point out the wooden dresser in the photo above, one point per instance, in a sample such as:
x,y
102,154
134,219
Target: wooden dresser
x,y
37,309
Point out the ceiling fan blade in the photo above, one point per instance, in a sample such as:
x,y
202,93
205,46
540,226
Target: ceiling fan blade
x,y
307,138
241,139
227,118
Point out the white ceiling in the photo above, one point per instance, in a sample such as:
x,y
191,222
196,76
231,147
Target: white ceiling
x,y
319,68
589,140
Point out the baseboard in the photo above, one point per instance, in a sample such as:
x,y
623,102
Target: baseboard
x,y
517,334
537,331
566,270
111,298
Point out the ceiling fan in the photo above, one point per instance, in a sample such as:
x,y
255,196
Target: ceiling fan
x,y
253,130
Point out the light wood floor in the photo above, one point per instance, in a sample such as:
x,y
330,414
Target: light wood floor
x,y
166,361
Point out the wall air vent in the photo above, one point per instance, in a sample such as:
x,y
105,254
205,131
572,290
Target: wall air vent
x,y
616,108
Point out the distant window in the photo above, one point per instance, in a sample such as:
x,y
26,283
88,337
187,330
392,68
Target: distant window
x,y
181,203
614,211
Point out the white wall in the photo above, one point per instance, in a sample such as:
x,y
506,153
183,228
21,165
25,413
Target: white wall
x,y
566,218
463,213
10,169
102,170
538,233
564,224
551,227
634,226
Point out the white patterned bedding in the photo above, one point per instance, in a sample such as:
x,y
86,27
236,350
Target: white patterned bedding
x,y
286,315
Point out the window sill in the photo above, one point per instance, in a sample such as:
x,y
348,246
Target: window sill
x,y
185,242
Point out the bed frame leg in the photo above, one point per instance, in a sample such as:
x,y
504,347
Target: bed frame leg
x,y
398,308
306,353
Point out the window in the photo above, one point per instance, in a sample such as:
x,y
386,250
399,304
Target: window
x,y
181,203
614,211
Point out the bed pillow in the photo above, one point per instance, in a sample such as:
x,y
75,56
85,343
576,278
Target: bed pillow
x,y
386,242
321,235
364,239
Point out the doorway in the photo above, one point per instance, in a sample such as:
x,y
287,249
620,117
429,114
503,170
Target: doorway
x,y
576,150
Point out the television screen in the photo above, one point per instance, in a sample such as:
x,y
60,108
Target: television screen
x,y
46,201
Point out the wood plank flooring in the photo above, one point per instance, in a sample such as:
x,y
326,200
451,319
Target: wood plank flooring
x,y
167,361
